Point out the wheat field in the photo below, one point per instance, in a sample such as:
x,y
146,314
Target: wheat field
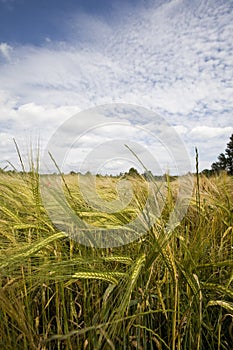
x,y
165,290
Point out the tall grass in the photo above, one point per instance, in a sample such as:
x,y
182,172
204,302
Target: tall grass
x,y
163,291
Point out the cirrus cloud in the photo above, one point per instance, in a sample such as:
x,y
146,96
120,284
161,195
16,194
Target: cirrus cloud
x,y
173,57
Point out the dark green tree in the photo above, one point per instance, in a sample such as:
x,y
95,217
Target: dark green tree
x,y
225,161
133,172
207,172
222,161
215,167
229,156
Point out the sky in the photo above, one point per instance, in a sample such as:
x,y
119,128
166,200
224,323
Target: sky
x,y
164,59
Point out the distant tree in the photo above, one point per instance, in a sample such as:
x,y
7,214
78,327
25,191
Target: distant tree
x,y
225,161
133,172
222,161
207,172
215,167
229,156
219,166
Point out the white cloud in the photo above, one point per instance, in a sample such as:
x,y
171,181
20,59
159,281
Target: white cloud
x,y
5,51
180,129
207,132
5,139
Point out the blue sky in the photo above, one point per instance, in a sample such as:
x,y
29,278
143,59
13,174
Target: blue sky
x,y
32,21
175,58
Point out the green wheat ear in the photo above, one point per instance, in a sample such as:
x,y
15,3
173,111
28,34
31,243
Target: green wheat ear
x,y
31,249
227,305
103,276
119,259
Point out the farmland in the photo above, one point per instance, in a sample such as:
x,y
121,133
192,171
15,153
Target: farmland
x,y
168,289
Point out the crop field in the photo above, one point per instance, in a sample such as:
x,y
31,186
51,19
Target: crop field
x,y
168,289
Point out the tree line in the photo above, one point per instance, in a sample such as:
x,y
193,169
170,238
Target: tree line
x,y
224,163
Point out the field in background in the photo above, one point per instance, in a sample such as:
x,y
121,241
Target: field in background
x,y
168,290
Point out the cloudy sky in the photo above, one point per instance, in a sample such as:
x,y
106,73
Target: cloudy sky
x,y
173,58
